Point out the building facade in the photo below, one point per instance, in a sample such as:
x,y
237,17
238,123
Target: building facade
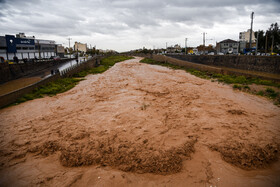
x,y
176,49
228,46
80,47
245,36
60,51
26,47
244,41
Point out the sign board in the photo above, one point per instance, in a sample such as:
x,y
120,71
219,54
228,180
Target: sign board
x,y
25,41
11,44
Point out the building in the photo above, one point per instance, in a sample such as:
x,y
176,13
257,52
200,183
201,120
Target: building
x,y
228,46
80,47
24,47
176,49
60,51
245,36
244,41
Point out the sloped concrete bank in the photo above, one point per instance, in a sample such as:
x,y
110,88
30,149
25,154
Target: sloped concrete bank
x,y
268,64
14,71
13,96
216,69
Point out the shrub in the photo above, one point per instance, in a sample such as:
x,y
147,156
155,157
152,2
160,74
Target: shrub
x,y
236,86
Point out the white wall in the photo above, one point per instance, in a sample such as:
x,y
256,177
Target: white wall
x,y
11,56
31,55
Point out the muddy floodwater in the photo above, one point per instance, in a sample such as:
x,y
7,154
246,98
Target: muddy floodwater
x,y
142,125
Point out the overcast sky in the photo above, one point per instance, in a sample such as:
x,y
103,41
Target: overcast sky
x,y
129,24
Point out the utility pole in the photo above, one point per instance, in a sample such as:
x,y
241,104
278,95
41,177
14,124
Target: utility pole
x,y
204,43
272,44
266,42
69,45
257,43
69,41
186,39
251,30
166,53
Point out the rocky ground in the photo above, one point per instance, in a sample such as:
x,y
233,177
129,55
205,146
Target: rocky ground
x,y
142,125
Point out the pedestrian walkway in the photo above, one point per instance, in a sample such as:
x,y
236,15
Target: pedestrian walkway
x,y
17,84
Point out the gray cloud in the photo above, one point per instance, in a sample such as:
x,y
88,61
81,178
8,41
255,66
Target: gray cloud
x,y
136,20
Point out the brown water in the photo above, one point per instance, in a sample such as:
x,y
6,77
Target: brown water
x,y
141,125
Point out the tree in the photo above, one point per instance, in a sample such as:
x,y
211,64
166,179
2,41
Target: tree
x,y
261,40
272,34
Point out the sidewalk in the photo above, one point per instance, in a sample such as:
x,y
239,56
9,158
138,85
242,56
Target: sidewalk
x,y
17,84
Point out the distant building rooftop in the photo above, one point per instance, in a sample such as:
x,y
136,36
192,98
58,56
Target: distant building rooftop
x,y
228,41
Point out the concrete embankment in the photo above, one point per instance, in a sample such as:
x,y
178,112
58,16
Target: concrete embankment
x,y
266,70
13,96
268,64
10,72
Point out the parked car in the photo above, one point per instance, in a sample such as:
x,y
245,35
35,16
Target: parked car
x,y
220,53
56,58
211,53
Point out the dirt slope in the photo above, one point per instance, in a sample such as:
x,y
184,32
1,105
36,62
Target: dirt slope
x,y
142,125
